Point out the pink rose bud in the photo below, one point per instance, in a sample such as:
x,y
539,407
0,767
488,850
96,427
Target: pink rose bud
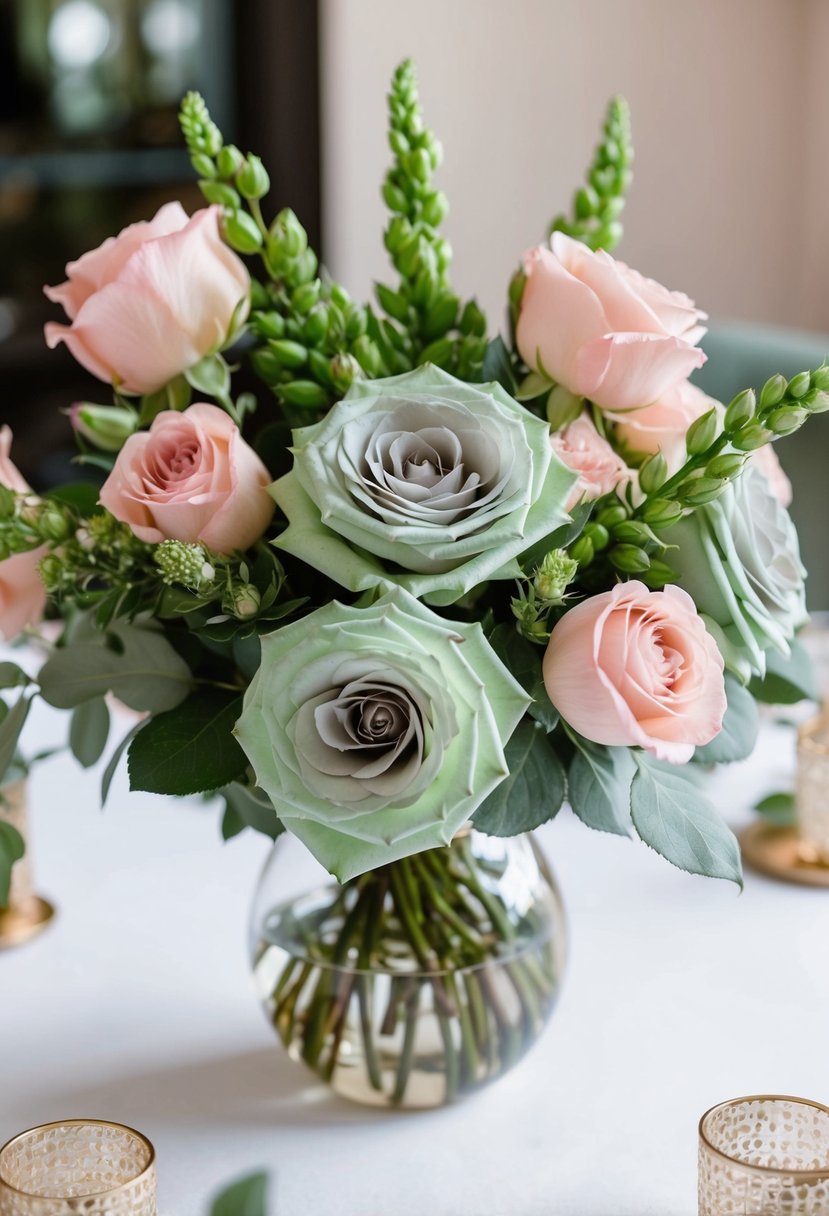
x,y
637,668
603,330
22,594
583,450
193,478
150,303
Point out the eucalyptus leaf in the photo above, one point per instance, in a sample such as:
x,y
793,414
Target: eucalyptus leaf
x,y
138,665
672,816
740,727
598,783
12,676
10,727
247,1197
190,749
524,661
89,731
534,790
12,848
115,760
787,680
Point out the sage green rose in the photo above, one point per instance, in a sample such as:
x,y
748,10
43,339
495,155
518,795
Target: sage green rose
x,y
739,558
422,480
377,732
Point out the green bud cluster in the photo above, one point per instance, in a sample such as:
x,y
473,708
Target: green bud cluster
x,y
554,575
544,591
184,564
426,323
599,203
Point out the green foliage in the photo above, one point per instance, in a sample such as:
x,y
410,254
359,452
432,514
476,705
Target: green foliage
x,y
426,321
89,731
134,662
12,722
598,204
115,760
678,822
190,749
248,808
247,1197
524,661
787,680
740,725
599,782
533,792
779,809
11,850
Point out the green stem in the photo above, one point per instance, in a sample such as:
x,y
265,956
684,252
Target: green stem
x,y
691,465
404,1067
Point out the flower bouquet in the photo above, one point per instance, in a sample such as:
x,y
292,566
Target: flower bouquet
x,y
432,585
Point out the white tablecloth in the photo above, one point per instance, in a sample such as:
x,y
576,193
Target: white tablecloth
x,y
137,1006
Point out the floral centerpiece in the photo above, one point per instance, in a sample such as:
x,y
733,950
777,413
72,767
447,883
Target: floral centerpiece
x,y
428,587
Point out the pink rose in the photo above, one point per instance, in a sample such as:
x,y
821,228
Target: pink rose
x,y
601,329
662,426
583,450
767,461
191,477
633,667
22,594
150,303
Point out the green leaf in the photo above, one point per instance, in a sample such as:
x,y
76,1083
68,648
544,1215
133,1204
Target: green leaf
x,y
524,661
248,1197
134,662
190,749
89,731
81,495
251,808
598,786
232,823
12,848
534,790
561,538
210,375
778,808
10,727
787,680
12,676
740,725
498,365
673,817
115,760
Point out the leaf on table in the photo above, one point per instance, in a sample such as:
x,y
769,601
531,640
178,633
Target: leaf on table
x,y
778,808
672,816
534,790
189,749
247,1197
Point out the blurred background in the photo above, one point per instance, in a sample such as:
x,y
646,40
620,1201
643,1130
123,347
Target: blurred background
x,y
730,105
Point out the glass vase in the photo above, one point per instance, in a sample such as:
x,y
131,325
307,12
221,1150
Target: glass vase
x,y
418,982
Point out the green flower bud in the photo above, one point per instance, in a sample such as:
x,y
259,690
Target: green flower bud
x,y
268,324
435,208
229,160
305,393
773,391
316,325
516,291
397,234
799,384
661,512
701,433
438,352
582,551
52,524
599,536
252,179
740,410
610,516
658,574
473,321
727,465
700,490
220,193
305,297
8,502
203,165
441,316
184,564
51,571
751,437
786,419
394,198
632,532
290,354
344,369
820,379
266,364
554,575
106,426
368,356
586,202
817,404
246,601
392,302
241,232
653,473
629,559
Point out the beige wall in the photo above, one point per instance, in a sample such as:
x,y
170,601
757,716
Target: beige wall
x,y
730,109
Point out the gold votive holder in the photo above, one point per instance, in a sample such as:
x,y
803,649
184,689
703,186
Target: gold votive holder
x,y
812,789
78,1165
766,1155
27,913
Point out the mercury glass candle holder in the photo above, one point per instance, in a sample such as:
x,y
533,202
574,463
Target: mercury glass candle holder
x,y
812,788
78,1165
764,1156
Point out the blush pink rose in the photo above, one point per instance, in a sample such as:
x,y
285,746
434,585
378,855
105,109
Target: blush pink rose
x,y
22,594
151,302
582,449
637,668
662,426
603,330
191,477
767,461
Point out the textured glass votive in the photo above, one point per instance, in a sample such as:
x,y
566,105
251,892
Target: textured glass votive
x,y
812,788
764,1156
78,1165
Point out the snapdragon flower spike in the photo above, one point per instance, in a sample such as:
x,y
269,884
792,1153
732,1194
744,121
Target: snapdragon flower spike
x,y
598,204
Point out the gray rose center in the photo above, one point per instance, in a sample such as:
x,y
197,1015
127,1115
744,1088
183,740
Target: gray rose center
x,y
366,729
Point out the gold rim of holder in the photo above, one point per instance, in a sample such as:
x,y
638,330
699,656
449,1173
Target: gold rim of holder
x,y
19,923
819,1175
45,1127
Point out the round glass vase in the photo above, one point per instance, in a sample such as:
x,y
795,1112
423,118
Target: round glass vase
x,y
418,982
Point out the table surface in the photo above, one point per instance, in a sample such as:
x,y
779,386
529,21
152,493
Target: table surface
x,y
137,1006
